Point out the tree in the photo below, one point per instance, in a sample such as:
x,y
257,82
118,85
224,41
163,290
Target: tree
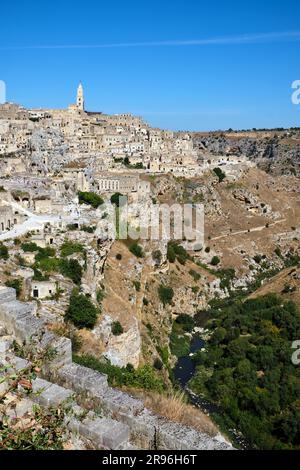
x,y
90,198
81,312
3,252
220,174
117,328
71,269
136,250
215,261
165,294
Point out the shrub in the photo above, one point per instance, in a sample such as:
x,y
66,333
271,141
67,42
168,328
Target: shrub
x,y
165,294
3,252
215,261
220,174
69,248
81,312
88,229
157,256
71,269
117,328
176,251
207,249
137,285
72,227
145,301
49,264
194,274
171,254
157,364
91,199
118,256
29,247
185,321
44,253
136,250
100,295
277,252
144,377
115,199
15,284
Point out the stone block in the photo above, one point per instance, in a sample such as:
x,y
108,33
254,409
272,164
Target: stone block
x,y
48,394
116,401
104,432
82,378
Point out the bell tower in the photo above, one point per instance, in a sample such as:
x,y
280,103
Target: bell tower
x,y
80,97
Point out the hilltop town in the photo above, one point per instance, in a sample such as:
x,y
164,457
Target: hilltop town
x,y
123,305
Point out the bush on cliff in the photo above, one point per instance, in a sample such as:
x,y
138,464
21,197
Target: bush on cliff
x,y
81,312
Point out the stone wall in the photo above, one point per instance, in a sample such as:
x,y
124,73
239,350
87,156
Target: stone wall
x,y
123,422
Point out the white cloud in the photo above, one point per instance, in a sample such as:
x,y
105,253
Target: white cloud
x,y
228,40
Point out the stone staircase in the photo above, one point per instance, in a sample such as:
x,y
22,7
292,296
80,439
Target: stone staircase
x,y
122,422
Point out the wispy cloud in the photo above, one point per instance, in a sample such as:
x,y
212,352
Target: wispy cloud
x,y
258,38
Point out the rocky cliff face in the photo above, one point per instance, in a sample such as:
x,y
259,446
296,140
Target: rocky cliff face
x,y
275,152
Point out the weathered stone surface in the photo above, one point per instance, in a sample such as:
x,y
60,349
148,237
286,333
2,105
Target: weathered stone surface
x,y
81,378
104,432
48,394
7,294
115,401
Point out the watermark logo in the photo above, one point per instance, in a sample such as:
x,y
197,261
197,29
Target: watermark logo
x,y
296,354
296,93
2,92
153,222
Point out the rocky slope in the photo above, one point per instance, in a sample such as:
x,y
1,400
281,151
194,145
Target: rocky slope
x,y
277,152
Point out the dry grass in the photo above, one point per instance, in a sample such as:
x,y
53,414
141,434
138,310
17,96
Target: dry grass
x,y
175,408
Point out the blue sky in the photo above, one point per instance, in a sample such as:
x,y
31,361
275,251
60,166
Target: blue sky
x,y
220,79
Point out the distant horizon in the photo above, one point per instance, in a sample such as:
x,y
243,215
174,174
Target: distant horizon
x,y
190,65
227,130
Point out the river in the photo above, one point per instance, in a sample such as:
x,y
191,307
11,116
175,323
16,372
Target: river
x,y
184,371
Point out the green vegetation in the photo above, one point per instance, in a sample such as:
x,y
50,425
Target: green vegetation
x,y
177,252
219,173
247,369
91,199
157,364
3,252
165,294
44,253
195,275
215,261
143,377
118,256
137,285
45,432
81,311
179,342
29,247
15,284
136,250
100,295
157,256
71,269
117,328
69,248
88,228
115,199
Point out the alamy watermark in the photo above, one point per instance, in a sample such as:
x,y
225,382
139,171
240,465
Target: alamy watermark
x,y
296,93
2,92
154,222
296,354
